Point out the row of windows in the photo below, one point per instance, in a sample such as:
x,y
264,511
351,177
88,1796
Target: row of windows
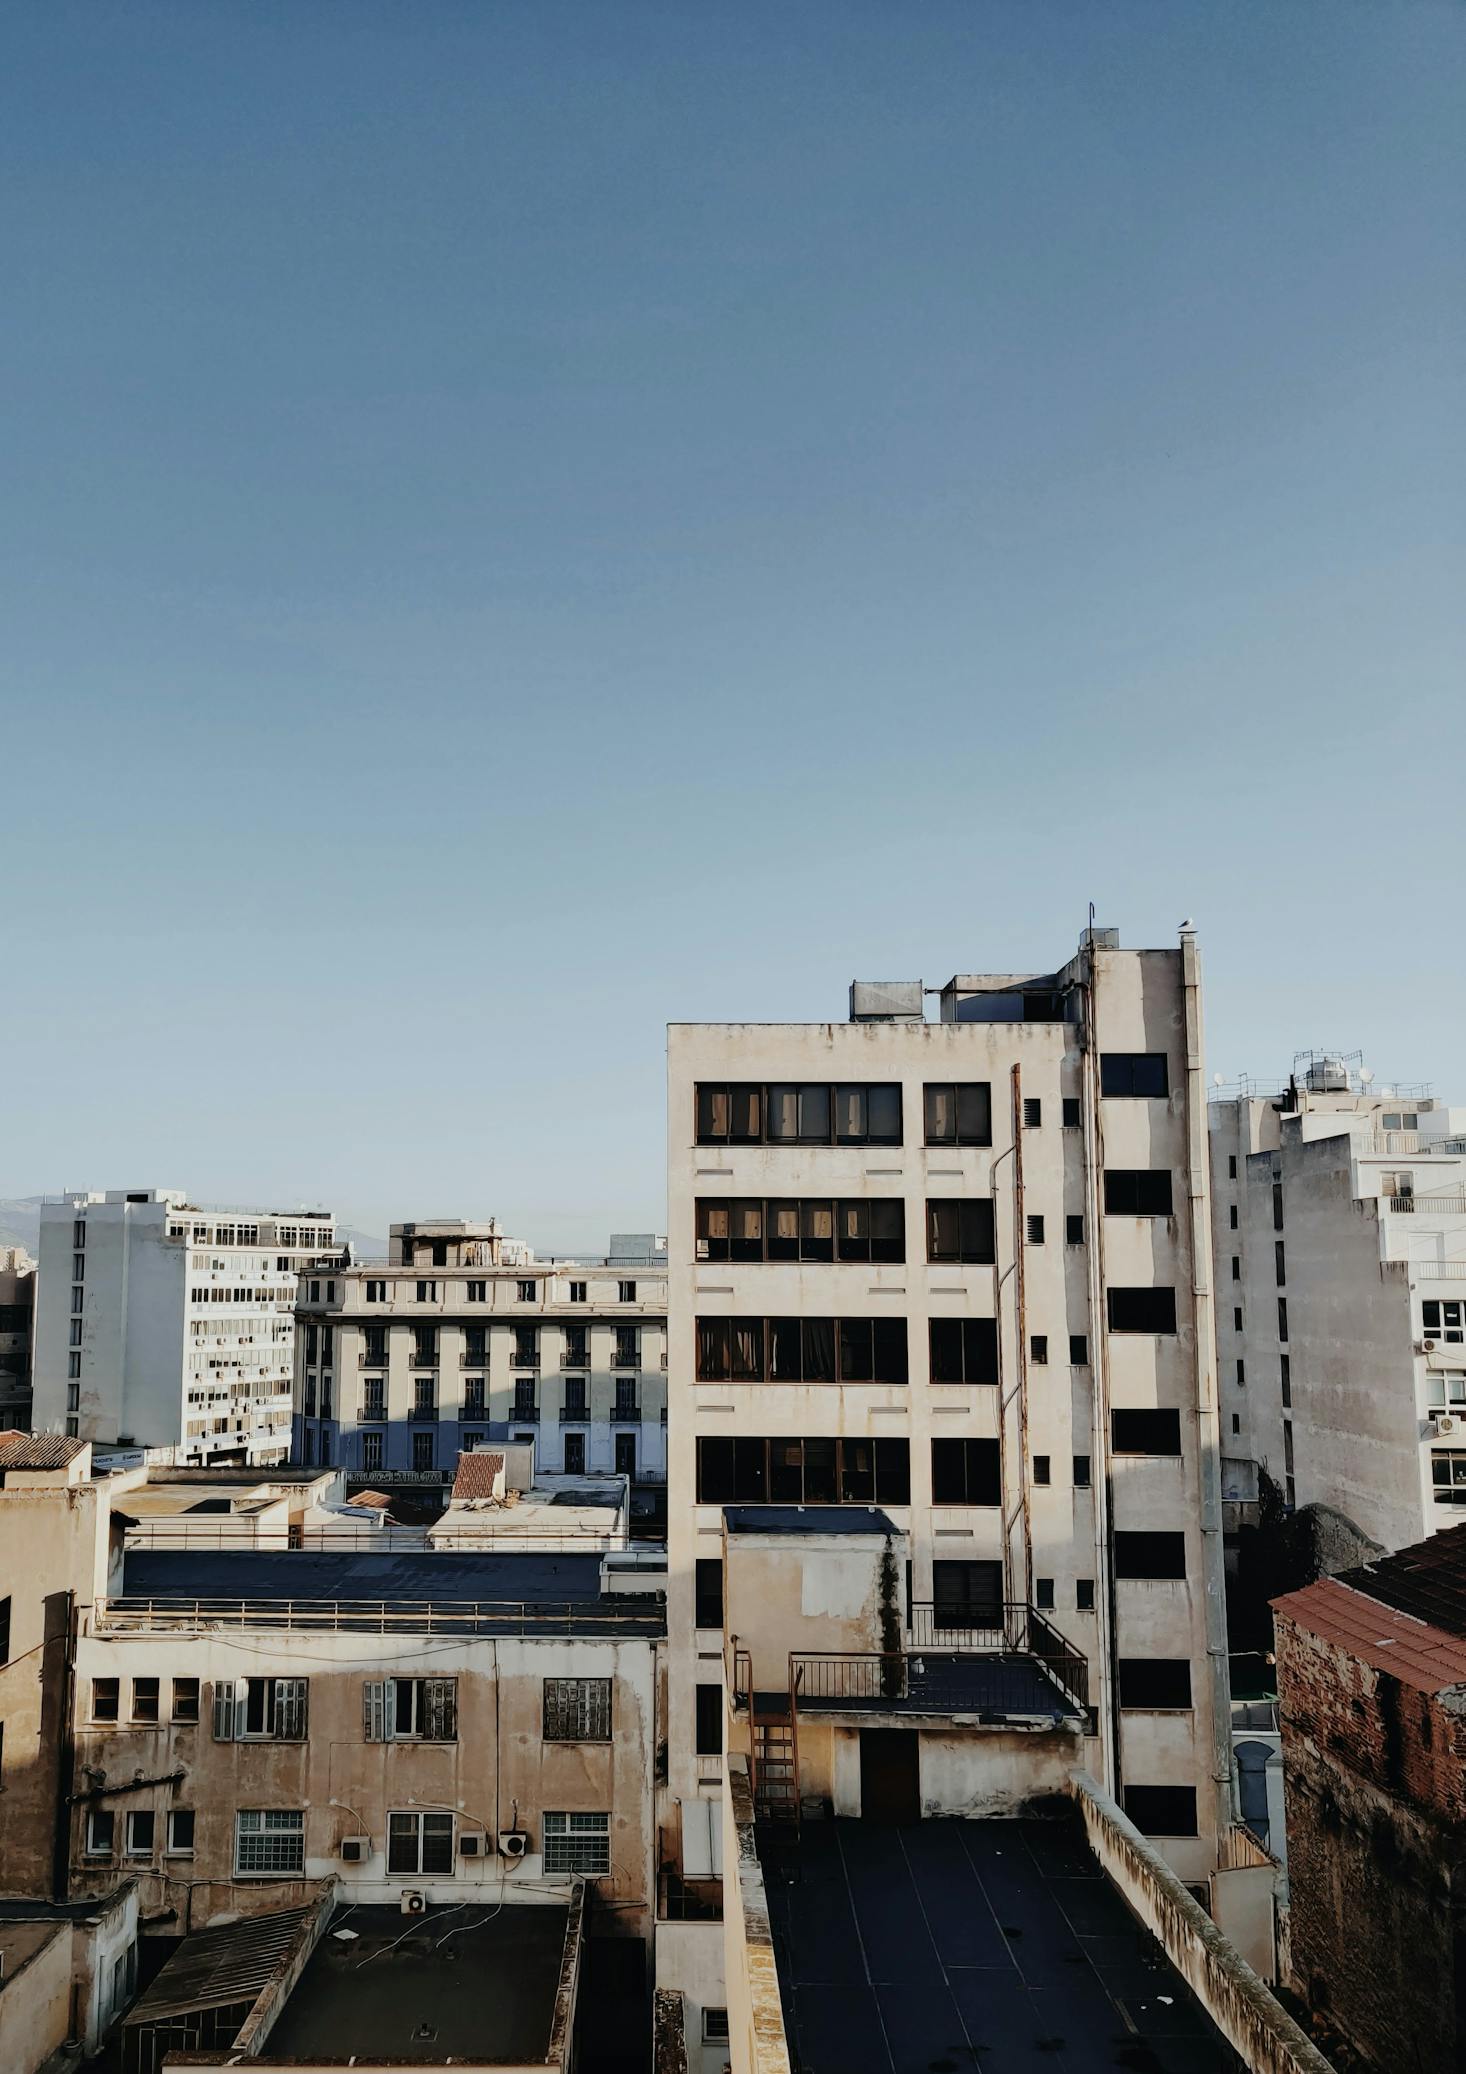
x,y
874,1350
269,1709
778,1470
426,1288
869,1112
269,1843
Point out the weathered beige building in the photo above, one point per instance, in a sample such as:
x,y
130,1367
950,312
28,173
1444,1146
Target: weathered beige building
x,y
17,1319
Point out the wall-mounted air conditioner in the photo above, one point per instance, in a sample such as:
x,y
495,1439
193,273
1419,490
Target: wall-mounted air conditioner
x,y
414,1901
513,1843
472,1844
355,1850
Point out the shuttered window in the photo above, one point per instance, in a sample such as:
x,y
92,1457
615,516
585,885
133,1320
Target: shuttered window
x,y
402,1710
577,1710
260,1710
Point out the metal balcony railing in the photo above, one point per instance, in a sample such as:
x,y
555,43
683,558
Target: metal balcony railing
x,y
626,1409
423,1411
575,1357
574,1414
372,1358
1425,1205
420,1360
525,1410
523,1358
373,1410
473,1357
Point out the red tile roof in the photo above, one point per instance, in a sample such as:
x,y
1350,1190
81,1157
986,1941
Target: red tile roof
x,y
1427,1580
1384,1637
37,1450
477,1474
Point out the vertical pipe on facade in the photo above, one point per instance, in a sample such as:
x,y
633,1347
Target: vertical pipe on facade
x,y
1107,1708
1020,1312
1208,1421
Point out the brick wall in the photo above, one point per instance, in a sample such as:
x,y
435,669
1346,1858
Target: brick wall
x,y
1375,1794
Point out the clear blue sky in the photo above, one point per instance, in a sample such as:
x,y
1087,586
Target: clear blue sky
x,y
524,522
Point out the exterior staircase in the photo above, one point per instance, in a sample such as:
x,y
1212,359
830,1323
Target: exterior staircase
x,y
775,1758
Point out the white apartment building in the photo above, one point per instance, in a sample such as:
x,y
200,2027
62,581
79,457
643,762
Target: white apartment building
x,y
1339,1243
462,1337
951,1280
163,1324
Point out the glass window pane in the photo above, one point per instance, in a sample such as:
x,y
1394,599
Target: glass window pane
x,y
814,1115
883,1115
888,1230
783,1224
850,1127
853,1222
817,1231
940,1114
974,1113
786,1472
748,1350
855,1357
747,1231
857,1471
819,1472
712,1114
783,1113
818,1337
785,1358
745,1108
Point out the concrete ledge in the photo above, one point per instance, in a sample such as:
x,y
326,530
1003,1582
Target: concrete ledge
x,y
1253,2022
669,2033
756,2039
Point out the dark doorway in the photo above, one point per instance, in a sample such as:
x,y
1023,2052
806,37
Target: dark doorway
x,y
575,1454
626,1454
890,1775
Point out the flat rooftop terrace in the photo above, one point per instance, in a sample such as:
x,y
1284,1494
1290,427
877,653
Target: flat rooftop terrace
x,y
527,1593
457,1983
954,1947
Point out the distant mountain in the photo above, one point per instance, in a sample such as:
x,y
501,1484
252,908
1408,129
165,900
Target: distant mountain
x,y
20,1225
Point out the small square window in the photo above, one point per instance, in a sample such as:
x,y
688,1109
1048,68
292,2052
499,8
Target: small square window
x,y
140,1824
626,1292
1081,1472
1084,1595
1038,1349
1079,1349
715,2027
1033,1112
180,1832
1041,1469
101,1830
1072,1117
1074,1231
106,1700
144,1699
1044,1593
185,1699
1035,1231
577,1292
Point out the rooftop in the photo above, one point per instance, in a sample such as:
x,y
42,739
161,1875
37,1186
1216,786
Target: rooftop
x,y
528,1593
478,1474
807,1519
1427,1580
982,1946
220,1967
462,1983
19,1944
1403,1613
38,1450
993,1688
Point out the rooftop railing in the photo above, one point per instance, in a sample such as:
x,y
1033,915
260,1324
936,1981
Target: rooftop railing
x,y
377,1616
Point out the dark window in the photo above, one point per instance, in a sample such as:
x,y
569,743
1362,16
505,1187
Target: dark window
x,y
1084,1595
729,1113
1150,1554
1232,1217
1074,1231
185,1699
1134,1073
576,1710
423,1449
958,1112
965,1472
709,1721
1145,1432
869,1114
1282,1317
1072,1114
707,1591
1236,1423
1081,1472
1232,1167
1241,1374
1162,1810
1236,1268
574,1454
4,1630
1137,1192
1285,1378
1038,1349
180,1832
967,1594
1142,1310
729,1228
809,1350
140,1827
799,1113
964,1350
960,1230
1043,1592
1237,1317
1277,1206
1041,1469
802,1472
1079,1349
145,1699
1035,1231
106,1698
1280,1270
1033,1112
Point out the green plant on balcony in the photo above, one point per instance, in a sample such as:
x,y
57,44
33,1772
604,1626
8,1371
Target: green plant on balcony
x,y
888,1589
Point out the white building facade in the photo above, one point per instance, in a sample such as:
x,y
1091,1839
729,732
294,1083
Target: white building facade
x,y
162,1324
958,1272
1340,1260
461,1338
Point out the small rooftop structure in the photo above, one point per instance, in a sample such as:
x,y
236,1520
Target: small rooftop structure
x,y
498,1497
480,1475
808,1519
38,1451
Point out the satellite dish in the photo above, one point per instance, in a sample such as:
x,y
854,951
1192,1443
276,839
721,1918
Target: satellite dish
x,y
1366,1076
1216,1080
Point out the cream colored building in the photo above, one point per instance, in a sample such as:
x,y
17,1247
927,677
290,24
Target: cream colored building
x,y
1339,1243
955,1277
462,1338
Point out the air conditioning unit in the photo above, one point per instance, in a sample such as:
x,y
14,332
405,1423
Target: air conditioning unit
x,y
1427,1346
414,1901
355,1850
1445,1425
471,1845
513,1843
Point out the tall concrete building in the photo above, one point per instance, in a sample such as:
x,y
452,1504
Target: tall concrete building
x,y
941,1291
462,1337
1339,1245
162,1324
17,1320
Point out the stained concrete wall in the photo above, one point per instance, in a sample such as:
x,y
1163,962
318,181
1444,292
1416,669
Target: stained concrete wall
x,y
35,1994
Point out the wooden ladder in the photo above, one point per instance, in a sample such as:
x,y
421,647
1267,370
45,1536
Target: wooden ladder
x,y
776,1768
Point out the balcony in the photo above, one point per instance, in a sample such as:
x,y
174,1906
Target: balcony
x,y
626,1357
524,1358
474,1357
575,1357
626,1411
423,1412
475,1407
374,1357
526,1412
421,1360
575,1415
373,1412
1425,1205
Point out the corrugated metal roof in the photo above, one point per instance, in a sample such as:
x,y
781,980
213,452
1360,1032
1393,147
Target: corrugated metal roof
x,y
213,1968
1414,1651
38,1450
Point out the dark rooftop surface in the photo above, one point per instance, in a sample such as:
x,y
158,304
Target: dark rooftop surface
x,y
1427,1581
995,1685
466,1983
550,1583
955,1947
807,1519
